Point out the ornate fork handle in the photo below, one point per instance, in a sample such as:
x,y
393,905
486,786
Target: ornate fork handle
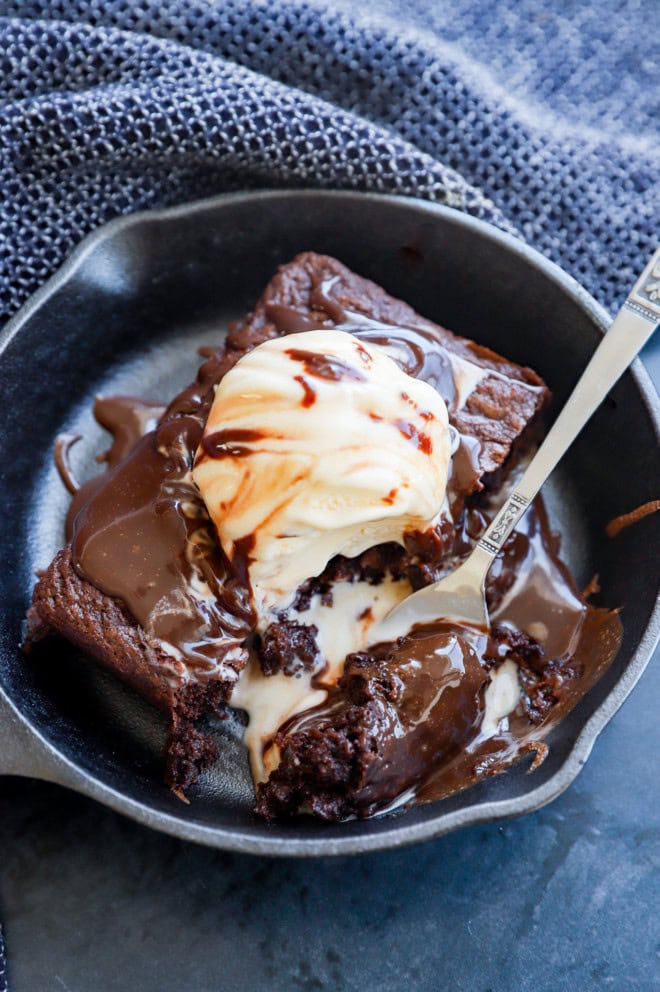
x,y
634,324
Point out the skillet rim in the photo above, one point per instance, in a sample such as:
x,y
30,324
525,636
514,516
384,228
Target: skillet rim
x,y
30,753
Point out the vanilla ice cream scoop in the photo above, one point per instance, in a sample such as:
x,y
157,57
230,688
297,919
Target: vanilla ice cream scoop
x,y
317,444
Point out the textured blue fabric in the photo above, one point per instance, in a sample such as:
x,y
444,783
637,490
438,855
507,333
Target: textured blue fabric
x,y
538,117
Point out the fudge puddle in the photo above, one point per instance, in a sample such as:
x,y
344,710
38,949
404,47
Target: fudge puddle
x,y
444,706
243,543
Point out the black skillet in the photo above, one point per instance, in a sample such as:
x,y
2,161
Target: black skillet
x,y
126,314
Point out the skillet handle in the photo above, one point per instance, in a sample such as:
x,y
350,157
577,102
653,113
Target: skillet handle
x,y
22,751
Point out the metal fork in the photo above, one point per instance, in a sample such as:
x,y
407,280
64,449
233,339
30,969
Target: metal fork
x,y
461,594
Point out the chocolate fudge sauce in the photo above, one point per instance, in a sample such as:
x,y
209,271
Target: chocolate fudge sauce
x,y
127,419
144,536
418,704
410,712
416,707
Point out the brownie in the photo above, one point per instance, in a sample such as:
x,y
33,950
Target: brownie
x,y
358,752
103,619
101,626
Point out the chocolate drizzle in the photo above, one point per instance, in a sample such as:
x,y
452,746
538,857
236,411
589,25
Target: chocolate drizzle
x,y
231,443
418,438
416,350
531,590
325,366
618,524
322,298
63,445
309,394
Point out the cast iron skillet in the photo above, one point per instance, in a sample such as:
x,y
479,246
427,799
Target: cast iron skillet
x,y
126,314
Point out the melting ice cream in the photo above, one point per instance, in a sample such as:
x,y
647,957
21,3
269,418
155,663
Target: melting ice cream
x,y
318,444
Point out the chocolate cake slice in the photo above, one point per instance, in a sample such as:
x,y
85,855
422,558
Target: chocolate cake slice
x,y
143,586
